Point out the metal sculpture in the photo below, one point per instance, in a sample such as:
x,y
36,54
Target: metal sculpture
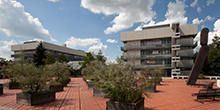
x,y
201,57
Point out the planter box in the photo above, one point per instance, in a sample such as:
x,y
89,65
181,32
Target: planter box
x,y
1,89
99,92
140,80
11,86
149,88
157,82
91,86
34,99
114,105
64,83
55,88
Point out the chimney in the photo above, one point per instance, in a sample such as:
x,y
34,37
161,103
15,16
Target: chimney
x,y
64,45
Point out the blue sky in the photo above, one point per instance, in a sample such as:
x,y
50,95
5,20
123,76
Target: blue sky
x,y
93,25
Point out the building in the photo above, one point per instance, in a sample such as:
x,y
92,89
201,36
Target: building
x,y
169,45
29,48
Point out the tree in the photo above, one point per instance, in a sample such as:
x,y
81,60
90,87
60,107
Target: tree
x,y
39,55
100,57
212,68
62,58
86,60
50,58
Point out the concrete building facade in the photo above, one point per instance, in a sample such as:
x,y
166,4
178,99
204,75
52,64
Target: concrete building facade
x,y
29,48
170,45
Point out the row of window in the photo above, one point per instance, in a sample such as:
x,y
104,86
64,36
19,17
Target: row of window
x,y
156,61
156,51
156,41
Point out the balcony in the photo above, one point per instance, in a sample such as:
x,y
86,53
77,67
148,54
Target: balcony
x,y
185,53
175,71
175,47
176,35
175,59
139,47
186,63
146,56
25,54
168,66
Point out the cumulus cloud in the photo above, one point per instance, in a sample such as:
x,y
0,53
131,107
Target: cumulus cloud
x,y
96,47
127,12
54,0
209,18
197,21
210,2
175,13
16,22
199,9
5,50
111,41
216,31
95,42
193,4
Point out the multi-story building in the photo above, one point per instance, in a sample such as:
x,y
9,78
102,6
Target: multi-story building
x,y
29,48
169,45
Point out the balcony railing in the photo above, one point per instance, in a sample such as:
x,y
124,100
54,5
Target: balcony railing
x,y
146,56
139,47
185,53
186,63
152,66
176,35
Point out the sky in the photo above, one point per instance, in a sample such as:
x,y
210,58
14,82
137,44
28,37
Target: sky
x,y
93,25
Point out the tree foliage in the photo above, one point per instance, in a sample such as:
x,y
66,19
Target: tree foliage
x,y
86,60
62,58
50,58
100,57
39,55
212,68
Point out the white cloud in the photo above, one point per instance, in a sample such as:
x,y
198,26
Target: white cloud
x,y
175,13
197,21
96,47
95,42
54,0
16,22
74,42
5,51
199,9
127,12
211,34
209,18
193,4
210,2
111,41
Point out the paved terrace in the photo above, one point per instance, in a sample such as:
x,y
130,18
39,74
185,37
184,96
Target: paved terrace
x,y
171,94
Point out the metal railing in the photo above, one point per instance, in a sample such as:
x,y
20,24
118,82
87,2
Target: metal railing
x,y
138,47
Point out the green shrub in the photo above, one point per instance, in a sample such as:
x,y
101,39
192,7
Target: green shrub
x,y
119,82
201,76
33,78
59,70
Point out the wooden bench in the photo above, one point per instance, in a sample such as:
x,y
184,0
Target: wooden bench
x,y
207,94
208,85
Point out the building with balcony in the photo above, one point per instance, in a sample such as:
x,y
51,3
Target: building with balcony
x,y
169,45
29,48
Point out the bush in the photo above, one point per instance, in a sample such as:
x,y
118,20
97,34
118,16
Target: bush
x,y
59,70
33,78
119,81
157,73
201,76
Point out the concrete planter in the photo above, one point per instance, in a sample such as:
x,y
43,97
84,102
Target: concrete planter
x,y
99,92
64,82
114,105
149,88
34,99
1,89
140,80
55,88
91,86
157,82
11,86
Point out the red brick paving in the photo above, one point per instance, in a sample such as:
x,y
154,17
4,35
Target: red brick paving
x,y
171,95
